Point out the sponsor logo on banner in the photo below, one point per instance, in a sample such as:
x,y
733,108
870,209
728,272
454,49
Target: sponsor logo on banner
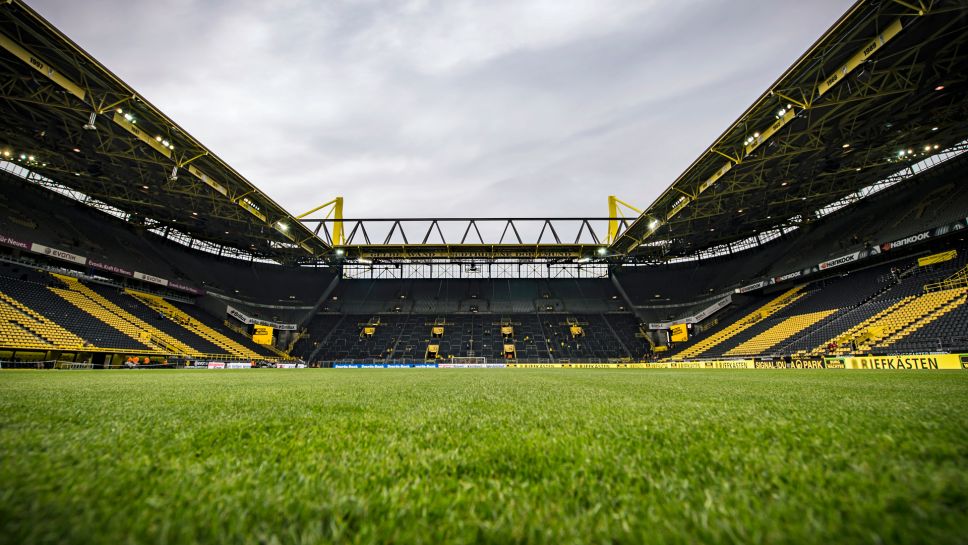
x,y
913,239
926,361
262,334
831,363
728,364
697,317
836,262
941,230
285,366
239,365
216,365
108,267
58,254
796,363
679,333
752,287
706,312
609,366
471,365
150,278
7,241
807,363
246,319
788,276
185,287
384,365
231,311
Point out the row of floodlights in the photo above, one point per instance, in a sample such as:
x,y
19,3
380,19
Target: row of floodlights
x,y
23,157
779,115
134,121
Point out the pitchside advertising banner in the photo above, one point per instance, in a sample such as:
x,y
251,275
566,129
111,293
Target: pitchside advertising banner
x,y
470,365
384,365
911,362
574,365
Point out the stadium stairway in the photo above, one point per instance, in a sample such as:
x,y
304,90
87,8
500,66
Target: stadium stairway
x,y
903,315
778,333
772,307
949,332
943,302
145,313
36,298
843,339
156,336
164,307
104,315
802,343
21,327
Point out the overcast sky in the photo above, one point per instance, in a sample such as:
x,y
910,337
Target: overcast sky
x,y
451,107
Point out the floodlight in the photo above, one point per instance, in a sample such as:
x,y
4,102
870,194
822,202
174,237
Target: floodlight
x,y
90,126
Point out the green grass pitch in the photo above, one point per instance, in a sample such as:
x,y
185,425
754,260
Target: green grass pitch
x,y
483,456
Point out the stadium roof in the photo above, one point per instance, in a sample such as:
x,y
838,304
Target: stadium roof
x,y
86,129
878,92
883,88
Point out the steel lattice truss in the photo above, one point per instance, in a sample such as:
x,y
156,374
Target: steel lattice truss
x,y
888,77
470,238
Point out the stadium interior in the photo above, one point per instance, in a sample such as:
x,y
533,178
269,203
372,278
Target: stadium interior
x,y
828,220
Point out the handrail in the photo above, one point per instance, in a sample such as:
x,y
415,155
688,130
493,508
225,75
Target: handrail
x,y
957,280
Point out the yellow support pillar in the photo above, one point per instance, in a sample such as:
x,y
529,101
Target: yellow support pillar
x,y
336,213
614,213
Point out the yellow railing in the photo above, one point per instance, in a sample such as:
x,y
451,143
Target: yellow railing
x,y
957,280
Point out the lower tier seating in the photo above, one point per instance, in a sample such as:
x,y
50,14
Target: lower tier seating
x,y
533,336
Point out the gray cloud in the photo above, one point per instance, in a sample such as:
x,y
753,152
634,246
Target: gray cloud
x,y
450,107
